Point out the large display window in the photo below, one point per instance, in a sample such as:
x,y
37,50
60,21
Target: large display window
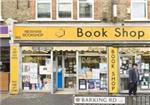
x,y
141,56
36,68
93,68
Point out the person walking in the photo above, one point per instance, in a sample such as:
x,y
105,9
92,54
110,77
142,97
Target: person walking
x,y
133,79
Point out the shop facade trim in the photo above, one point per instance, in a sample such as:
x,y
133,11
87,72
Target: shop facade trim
x,y
87,33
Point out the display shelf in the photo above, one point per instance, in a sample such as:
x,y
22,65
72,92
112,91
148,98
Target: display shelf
x,y
70,75
126,62
70,67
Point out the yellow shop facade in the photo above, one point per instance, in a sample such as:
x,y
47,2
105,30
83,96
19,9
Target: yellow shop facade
x,y
78,59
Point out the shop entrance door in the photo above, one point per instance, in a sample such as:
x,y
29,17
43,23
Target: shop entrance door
x,y
66,72
70,72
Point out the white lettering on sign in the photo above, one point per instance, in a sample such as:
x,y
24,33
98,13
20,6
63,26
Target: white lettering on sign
x,y
99,100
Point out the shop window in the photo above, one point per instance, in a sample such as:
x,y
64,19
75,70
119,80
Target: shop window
x,y
4,58
64,9
85,8
43,8
141,56
138,9
36,68
93,72
4,55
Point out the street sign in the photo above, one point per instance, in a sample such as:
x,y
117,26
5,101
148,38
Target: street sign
x,y
99,100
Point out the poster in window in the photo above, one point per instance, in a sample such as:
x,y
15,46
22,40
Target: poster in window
x,y
33,78
44,70
98,84
82,84
48,62
95,73
103,67
26,69
33,73
91,84
34,68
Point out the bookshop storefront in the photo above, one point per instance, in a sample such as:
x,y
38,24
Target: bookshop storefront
x,y
141,56
78,59
59,68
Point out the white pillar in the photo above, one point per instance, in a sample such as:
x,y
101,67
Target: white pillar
x,y
10,22
77,72
52,79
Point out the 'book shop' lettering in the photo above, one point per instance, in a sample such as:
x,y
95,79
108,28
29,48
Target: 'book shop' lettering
x,y
103,33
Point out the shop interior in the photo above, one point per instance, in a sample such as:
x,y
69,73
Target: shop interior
x,y
141,56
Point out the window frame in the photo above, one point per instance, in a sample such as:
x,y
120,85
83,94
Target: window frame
x,y
78,13
57,12
36,11
146,8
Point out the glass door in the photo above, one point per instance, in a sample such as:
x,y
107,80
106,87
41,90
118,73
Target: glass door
x,y
69,72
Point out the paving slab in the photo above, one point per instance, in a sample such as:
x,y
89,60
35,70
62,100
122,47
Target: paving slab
x,y
38,99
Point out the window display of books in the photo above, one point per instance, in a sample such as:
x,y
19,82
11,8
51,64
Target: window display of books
x,y
126,64
32,80
145,73
93,79
145,83
70,67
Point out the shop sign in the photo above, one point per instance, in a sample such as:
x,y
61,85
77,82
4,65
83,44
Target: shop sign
x,y
113,70
81,33
14,69
3,31
99,100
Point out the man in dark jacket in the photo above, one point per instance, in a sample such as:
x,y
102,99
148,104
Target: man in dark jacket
x,y
133,79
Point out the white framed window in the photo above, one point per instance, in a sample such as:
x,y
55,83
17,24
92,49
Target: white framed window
x,y
85,9
43,9
64,9
138,9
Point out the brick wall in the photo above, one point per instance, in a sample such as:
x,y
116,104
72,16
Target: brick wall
x,y
33,10
148,9
6,11
106,7
23,10
123,6
54,15
17,9
75,9
97,9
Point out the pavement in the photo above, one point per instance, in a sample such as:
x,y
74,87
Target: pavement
x,y
37,99
60,99
3,96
